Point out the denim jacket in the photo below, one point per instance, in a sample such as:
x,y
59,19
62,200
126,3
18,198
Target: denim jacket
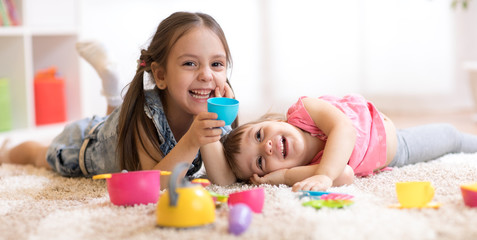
x,y
95,139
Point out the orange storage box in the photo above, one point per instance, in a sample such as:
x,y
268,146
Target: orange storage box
x,y
49,97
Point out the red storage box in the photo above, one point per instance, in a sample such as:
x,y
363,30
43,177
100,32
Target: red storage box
x,y
49,97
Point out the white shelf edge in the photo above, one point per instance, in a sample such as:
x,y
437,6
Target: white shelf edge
x,y
53,32
21,31
12,31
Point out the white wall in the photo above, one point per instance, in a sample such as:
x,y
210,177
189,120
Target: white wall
x,y
410,45
126,26
393,51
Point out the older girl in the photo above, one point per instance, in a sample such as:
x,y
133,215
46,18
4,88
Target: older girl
x,y
154,128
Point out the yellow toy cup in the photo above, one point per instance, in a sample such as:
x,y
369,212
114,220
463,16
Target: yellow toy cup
x,y
414,194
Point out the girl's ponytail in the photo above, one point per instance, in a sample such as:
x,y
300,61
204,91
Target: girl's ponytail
x,y
132,118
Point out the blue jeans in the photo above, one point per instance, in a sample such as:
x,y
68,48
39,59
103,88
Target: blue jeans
x,y
63,153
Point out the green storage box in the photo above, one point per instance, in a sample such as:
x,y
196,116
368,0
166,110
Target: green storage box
x,y
5,107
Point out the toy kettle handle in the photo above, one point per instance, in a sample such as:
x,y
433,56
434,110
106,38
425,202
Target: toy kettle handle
x,y
173,195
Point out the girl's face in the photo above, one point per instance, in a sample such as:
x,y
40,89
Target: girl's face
x,y
269,146
196,65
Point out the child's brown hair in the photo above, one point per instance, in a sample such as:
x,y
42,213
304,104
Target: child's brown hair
x,y
133,118
231,142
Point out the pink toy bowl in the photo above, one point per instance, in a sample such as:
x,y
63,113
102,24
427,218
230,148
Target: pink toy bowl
x,y
254,198
469,194
130,188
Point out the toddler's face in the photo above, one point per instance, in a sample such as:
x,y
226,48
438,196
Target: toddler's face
x,y
269,146
196,65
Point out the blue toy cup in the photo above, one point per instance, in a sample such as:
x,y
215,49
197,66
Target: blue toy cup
x,y
226,108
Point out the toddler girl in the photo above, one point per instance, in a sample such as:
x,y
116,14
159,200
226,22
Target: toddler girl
x,y
325,141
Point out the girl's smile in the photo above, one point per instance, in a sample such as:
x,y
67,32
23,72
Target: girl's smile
x,y
284,147
201,93
274,145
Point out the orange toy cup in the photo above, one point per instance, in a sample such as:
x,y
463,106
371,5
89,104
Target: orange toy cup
x,y
469,194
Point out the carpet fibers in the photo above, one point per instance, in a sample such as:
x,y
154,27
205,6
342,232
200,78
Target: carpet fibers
x,y
39,204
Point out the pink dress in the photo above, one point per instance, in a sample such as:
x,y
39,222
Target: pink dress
x,y
369,150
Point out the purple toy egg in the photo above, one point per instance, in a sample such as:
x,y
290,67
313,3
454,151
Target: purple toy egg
x,y
240,216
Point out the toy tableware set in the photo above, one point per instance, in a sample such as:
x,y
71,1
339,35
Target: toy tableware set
x,y
254,198
242,204
415,195
135,187
226,108
218,198
202,181
326,199
190,205
469,194
240,217
186,204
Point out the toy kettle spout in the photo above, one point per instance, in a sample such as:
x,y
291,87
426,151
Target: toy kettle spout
x,y
173,194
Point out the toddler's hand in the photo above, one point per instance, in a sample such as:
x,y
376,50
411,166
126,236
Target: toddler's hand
x,y
315,183
273,178
205,129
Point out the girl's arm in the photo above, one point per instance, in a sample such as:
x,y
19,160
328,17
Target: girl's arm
x,y
204,130
204,133
338,148
293,175
218,170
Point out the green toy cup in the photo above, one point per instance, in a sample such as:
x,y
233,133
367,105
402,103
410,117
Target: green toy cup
x,y
226,108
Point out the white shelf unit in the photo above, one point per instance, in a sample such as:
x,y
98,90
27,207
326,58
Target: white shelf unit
x,y
46,37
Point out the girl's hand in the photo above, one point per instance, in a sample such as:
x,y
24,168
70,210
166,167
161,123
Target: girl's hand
x,y
227,92
314,183
205,129
273,178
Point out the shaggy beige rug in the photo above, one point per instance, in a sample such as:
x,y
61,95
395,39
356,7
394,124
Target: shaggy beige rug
x,y
39,204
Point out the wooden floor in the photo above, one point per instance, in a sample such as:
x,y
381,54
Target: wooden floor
x,y
465,121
